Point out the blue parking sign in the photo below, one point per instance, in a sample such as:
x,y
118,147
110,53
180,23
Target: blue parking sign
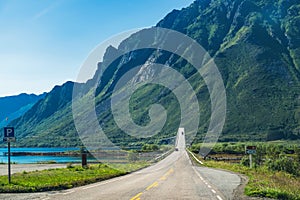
x,y
9,132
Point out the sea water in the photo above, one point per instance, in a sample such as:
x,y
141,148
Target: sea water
x,y
38,159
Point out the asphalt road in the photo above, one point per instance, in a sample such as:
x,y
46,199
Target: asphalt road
x,y
172,178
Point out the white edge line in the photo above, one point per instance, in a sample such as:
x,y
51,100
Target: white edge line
x,y
69,192
199,161
219,198
101,183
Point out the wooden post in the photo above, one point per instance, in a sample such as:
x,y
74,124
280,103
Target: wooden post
x,y
83,157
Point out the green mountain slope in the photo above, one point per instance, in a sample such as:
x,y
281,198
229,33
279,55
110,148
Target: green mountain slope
x,y
13,107
256,46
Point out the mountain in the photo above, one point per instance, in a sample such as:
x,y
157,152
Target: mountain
x,y
49,123
254,43
12,107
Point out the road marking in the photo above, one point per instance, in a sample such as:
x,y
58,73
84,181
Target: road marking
x,y
155,184
69,192
213,191
136,197
169,172
46,198
102,183
164,177
92,186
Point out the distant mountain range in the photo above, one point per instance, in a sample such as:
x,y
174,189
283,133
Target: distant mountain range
x,y
13,107
254,43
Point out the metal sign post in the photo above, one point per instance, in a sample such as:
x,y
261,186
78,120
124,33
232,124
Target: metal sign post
x,y
250,150
9,167
9,136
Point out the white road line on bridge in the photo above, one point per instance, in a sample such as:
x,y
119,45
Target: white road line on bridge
x,y
213,191
46,198
219,197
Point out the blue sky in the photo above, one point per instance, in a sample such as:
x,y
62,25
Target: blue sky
x,y
43,43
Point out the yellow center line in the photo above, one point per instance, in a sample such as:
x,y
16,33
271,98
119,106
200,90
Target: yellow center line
x,y
153,185
137,197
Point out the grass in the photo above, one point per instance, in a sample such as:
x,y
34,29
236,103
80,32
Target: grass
x,y
59,179
262,182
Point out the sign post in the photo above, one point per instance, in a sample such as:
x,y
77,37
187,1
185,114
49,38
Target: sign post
x,y
250,150
9,167
9,136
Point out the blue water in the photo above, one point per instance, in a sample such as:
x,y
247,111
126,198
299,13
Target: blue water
x,y
36,159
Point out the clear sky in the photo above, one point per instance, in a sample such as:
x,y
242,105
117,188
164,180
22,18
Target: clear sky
x,y
44,43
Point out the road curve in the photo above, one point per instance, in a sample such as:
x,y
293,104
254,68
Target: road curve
x,y
172,178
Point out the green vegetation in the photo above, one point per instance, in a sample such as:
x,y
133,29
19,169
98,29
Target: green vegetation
x,y
275,173
150,147
59,179
263,182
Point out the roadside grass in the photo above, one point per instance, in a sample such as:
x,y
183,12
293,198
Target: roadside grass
x,y
262,182
64,178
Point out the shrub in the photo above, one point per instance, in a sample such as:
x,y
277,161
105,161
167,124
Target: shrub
x,y
132,157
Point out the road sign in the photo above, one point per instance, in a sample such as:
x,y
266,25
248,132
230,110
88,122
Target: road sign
x,y
9,136
9,139
250,149
9,132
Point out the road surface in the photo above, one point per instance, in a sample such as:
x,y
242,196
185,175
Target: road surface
x,y
172,178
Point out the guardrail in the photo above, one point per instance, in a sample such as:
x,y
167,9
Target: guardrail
x,y
199,161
